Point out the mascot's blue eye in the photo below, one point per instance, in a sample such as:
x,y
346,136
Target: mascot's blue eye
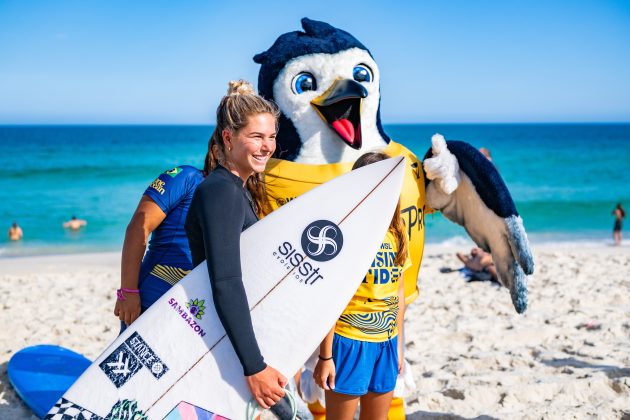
x,y
362,73
304,82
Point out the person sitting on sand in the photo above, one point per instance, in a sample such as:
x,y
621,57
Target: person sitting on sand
x,y
480,263
74,223
15,232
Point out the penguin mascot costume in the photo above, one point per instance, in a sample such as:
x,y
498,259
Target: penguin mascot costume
x,y
326,85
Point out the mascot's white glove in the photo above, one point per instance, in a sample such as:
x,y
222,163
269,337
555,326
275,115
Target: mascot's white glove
x,y
310,392
405,384
443,166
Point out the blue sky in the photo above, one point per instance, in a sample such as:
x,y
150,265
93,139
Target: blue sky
x,y
167,62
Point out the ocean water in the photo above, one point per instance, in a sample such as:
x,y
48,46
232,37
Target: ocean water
x,y
564,178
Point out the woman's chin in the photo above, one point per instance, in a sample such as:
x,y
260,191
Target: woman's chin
x,y
259,167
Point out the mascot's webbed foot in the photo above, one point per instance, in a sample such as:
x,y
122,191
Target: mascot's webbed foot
x,y
482,204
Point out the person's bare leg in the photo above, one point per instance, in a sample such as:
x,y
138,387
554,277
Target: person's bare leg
x,y
485,259
297,381
493,272
341,406
374,406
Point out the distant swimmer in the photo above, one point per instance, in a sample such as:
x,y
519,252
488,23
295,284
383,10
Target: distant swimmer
x,y
15,232
619,214
74,223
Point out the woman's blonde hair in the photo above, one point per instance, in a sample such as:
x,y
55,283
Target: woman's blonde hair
x,y
240,103
397,225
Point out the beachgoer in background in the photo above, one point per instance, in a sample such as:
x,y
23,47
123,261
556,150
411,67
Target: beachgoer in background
x,y
619,214
15,232
74,223
361,357
480,263
227,202
161,213
486,152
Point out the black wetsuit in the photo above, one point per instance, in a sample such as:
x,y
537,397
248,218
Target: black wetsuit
x,y
220,210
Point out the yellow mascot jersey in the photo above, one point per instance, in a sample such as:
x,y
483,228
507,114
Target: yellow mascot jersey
x,y
371,313
287,180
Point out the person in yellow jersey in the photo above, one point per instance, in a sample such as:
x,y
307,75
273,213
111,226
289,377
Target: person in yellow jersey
x,y
361,357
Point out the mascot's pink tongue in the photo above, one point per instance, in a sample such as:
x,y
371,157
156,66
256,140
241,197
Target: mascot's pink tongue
x,y
345,129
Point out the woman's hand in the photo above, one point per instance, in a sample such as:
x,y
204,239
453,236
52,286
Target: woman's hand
x,y
324,374
267,386
128,310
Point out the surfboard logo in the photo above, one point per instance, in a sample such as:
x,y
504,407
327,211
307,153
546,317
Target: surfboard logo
x,y
195,311
322,240
196,307
128,358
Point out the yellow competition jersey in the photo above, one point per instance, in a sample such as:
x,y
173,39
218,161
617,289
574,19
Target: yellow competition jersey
x,y
371,314
287,180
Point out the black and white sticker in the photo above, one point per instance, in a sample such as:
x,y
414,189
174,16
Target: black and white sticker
x,y
128,358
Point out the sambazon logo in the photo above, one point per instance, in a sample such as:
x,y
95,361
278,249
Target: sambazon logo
x,y
322,240
190,313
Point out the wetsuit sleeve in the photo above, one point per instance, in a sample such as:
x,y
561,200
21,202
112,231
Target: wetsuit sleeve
x,y
168,189
221,215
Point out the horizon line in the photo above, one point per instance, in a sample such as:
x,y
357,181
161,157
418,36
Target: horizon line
x,y
141,124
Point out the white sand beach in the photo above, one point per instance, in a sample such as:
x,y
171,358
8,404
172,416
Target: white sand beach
x,y
471,354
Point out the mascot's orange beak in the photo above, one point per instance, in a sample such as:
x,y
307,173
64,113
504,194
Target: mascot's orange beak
x,y
340,107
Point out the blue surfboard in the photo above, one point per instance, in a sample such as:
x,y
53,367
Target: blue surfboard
x,y
42,374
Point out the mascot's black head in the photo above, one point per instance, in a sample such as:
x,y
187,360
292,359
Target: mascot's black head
x,y
318,37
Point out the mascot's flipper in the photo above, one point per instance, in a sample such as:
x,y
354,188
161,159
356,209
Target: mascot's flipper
x,y
468,190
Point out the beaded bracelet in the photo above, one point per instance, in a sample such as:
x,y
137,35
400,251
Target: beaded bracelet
x,y
121,296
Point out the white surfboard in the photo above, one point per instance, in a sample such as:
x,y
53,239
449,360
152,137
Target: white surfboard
x,y
301,265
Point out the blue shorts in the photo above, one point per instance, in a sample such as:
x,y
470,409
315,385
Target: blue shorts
x,y
364,366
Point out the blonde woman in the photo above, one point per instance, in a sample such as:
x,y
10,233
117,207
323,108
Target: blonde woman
x,y
227,202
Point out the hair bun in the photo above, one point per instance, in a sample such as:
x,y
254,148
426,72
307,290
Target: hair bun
x,y
240,87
